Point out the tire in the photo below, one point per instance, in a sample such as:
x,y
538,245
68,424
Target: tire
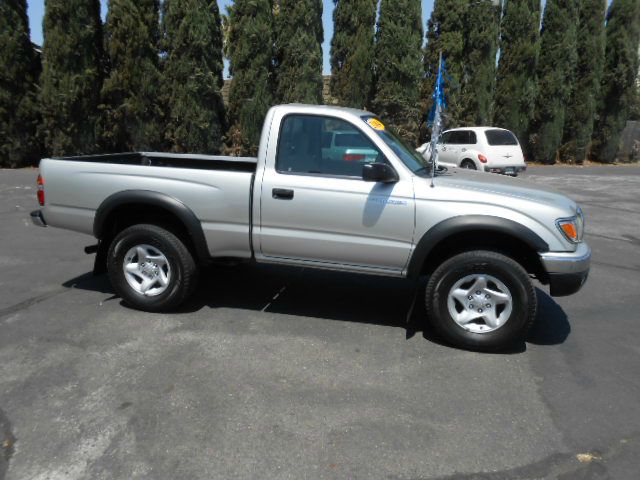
x,y
468,164
502,325
166,277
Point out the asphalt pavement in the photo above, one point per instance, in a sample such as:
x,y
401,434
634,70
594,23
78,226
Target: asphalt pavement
x,y
286,373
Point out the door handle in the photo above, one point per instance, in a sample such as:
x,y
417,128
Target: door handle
x,y
282,194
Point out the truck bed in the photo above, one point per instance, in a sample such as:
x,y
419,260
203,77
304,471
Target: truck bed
x,y
217,189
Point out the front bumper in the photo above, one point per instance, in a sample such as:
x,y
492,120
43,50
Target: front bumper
x,y
38,219
506,169
567,271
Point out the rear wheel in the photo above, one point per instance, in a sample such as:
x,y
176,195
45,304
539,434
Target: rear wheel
x,y
151,268
468,164
481,300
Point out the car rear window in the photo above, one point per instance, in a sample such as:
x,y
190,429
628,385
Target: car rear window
x,y
501,137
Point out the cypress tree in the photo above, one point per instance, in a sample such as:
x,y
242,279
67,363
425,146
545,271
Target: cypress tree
x,y
588,74
73,69
446,30
298,51
131,117
618,81
480,47
352,48
18,87
192,76
516,87
398,66
250,49
555,75
634,109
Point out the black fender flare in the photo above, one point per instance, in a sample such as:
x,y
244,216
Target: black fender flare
x,y
460,224
152,199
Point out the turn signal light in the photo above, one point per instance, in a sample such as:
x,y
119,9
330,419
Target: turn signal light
x,y
482,158
40,183
570,230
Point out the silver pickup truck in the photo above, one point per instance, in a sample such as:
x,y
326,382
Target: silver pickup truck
x,y
479,238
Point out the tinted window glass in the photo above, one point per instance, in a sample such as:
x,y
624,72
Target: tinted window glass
x,y
351,140
459,137
501,137
446,137
303,147
472,138
326,139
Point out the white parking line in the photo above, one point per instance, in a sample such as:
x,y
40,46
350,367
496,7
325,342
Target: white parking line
x,y
274,298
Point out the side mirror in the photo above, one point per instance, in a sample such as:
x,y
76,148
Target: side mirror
x,y
379,172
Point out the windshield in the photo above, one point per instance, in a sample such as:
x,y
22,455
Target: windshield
x,y
410,157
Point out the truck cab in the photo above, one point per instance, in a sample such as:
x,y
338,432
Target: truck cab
x,y
317,208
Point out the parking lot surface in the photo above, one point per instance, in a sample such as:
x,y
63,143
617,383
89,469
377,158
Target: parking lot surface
x,y
287,373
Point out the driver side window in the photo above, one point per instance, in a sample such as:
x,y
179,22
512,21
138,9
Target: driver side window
x,y
323,146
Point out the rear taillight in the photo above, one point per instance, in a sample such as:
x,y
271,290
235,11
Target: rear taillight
x,y
352,157
482,158
40,183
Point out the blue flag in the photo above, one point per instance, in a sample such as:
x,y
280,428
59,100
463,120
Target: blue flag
x,y
439,100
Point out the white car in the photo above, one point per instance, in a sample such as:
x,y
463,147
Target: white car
x,y
487,149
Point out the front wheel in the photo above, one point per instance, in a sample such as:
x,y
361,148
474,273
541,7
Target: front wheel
x,y
151,268
481,300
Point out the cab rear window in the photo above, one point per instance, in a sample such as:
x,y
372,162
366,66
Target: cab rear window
x,y
500,137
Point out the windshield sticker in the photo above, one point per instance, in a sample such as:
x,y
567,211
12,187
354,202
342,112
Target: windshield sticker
x,y
375,124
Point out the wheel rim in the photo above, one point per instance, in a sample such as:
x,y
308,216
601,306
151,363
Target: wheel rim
x,y
480,303
468,166
147,270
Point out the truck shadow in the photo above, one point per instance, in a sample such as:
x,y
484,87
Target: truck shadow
x,y
366,299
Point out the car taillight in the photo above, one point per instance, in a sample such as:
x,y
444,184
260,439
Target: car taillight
x,y
352,157
40,183
482,158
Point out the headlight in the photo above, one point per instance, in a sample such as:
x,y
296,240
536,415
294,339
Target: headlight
x,y
572,228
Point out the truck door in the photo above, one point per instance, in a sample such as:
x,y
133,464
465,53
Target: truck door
x,y
317,209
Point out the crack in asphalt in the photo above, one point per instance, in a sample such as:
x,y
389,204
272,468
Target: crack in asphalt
x,y
540,469
7,442
612,265
557,465
614,239
608,207
29,302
